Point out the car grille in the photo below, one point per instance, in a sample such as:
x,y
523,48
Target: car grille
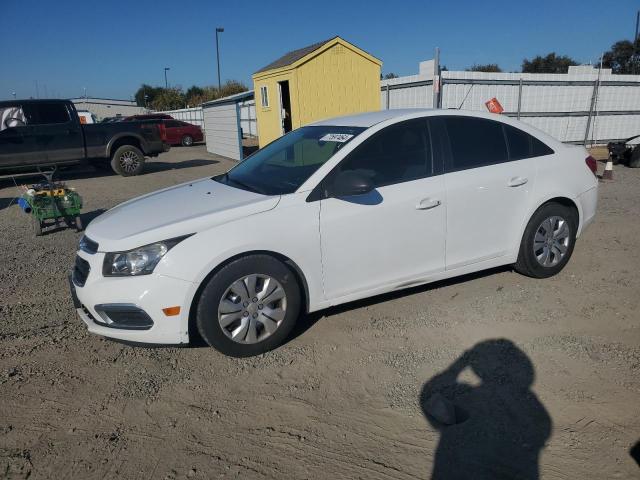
x,y
87,245
80,272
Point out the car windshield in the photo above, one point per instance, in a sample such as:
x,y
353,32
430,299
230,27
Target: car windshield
x,y
285,164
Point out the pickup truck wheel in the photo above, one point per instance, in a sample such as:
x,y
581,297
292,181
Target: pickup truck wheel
x,y
127,161
187,141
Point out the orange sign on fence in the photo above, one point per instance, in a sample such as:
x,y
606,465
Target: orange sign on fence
x,y
494,106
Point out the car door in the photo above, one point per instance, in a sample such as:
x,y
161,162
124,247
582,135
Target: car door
x,y
58,133
487,192
394,234
17,142
173,131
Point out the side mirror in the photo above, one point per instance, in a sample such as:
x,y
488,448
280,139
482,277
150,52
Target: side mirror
x,y
351,182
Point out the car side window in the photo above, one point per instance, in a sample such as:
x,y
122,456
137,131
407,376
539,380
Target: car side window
x,y
11,117
475,142
51,113
522,145
172,123
399,153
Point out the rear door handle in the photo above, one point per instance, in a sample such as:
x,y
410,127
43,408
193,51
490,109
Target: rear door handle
x,y
517,181
427,203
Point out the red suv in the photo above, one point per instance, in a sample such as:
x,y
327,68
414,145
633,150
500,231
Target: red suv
x,y
182,133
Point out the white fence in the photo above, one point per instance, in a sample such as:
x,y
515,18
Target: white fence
x,y
563,105
191,115
195,116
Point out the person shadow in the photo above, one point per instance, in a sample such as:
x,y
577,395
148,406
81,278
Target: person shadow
x,y
494,429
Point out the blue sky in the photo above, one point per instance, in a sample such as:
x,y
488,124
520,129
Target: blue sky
x,y
111,47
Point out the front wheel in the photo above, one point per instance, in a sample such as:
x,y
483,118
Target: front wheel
x,y
127,161
548,241
249,307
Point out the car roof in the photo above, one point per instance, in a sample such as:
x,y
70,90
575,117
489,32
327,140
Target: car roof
x,y
369,119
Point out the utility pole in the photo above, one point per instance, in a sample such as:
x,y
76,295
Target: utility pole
x,y
166,84
635,42
436,79
218,30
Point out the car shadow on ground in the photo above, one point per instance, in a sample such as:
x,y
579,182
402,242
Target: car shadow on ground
x,y
306,322
496,426
153,166
84,171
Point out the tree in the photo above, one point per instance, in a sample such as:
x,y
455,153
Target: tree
x,y
489,67
388,76
552,63
623,57
193,93
169,99
206,94
160,98
150,92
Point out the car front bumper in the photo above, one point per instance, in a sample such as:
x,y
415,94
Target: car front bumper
x,y
144,297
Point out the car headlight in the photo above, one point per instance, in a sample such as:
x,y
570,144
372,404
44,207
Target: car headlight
x,y
139,261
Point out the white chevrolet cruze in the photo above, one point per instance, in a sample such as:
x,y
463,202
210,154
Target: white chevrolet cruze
x,y
332,212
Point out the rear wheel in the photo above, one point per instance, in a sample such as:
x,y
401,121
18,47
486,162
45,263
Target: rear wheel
x,y
127,161
187,141
548,241
249,307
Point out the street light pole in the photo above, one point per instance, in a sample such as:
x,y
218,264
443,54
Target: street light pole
x,y
218,30
166,84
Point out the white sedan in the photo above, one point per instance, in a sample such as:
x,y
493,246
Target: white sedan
x,y
330,213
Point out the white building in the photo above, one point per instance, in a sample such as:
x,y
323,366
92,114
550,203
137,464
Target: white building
x,y
108,107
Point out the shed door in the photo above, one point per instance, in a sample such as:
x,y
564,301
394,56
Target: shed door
x,y
222,130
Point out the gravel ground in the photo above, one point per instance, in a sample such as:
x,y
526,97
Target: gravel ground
x,y
345,397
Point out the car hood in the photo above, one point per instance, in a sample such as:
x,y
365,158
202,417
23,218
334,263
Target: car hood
x,y
175,211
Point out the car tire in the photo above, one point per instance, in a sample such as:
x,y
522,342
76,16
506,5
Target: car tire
x,y
634,161
187,141
229,318
127,161
548,241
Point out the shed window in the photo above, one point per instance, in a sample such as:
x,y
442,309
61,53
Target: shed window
x,y
264,96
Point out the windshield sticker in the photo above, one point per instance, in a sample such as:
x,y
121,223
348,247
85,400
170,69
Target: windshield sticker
x,y
337,137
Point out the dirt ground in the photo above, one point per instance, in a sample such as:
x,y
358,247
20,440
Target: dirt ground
x,y
345,397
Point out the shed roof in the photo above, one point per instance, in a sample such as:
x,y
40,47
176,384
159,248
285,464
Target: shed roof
x,y
292,57
236,97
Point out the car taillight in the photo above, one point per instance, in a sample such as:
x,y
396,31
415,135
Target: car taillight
x,y
592,164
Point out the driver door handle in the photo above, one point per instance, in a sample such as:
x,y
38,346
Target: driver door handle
x,y
517,181
428,203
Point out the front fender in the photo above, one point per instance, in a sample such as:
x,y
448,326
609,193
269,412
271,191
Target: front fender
x,y
290,230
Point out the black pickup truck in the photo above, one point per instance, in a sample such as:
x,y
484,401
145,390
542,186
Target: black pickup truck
x,y
46,133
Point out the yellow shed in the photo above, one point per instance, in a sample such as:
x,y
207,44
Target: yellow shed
x,y
322,80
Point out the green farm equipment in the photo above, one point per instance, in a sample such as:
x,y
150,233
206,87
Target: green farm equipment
x,y
49,203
